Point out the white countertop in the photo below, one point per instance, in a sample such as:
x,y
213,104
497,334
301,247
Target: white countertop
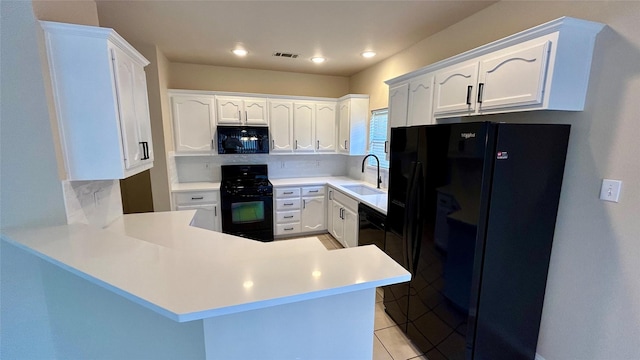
x,y
185,273
378,201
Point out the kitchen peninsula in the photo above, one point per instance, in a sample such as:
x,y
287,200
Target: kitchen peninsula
x,y
226,297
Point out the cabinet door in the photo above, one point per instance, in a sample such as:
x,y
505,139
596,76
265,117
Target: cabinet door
x,y
281,114
344,131
420,111
514,76
330,210
207,216
313,214
455,89
193,122
142,111
255,112
124,69
398,102
326,127
350,231
229,110
303,119
337,226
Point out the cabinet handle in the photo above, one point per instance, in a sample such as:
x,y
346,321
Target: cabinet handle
x,y
342,213
304,204
197,197
239,116
330,198
288,204
288,192
273,144
289,217
480,90
313,191
288,229
215,211
385,146
145,150
345,145
246,116
469,88
212,146
296,144
318,146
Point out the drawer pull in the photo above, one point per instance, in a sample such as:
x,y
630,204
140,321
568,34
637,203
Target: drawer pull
x,y
288,192
288,229
288,204
197,197
314,191
289,217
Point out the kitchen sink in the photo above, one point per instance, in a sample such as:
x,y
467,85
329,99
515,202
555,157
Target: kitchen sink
x,y
363,189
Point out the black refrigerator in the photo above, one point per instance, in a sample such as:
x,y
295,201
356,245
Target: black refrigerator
x,y
471,214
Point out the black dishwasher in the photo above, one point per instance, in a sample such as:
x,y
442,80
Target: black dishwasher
x,y
371,226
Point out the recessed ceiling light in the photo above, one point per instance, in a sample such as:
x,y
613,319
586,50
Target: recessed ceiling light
x,y
240,52
318,59
368,54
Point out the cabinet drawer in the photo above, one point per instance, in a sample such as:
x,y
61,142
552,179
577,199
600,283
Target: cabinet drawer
x,y
288,204
287,216
283,229
313,190
197,197
287,192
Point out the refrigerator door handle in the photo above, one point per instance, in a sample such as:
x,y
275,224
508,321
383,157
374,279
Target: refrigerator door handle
x,y
410,216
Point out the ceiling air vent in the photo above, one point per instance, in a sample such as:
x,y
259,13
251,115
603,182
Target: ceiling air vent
x,y
286,55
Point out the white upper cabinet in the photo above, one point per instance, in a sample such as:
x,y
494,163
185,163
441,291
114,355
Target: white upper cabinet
x,y
326,126
353,115
398,107
303,129
241,111
455,88
193,122
543,68
281,128
101,103
419,110
514,76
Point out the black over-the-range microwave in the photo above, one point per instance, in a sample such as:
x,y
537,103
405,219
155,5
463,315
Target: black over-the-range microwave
x,y
243,140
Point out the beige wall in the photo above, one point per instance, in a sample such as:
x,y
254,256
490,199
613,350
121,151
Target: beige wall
x,y
592,304
220,78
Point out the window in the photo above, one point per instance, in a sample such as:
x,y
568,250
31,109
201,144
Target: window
x,y
377,137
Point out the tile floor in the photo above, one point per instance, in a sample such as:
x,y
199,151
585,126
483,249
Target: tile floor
x,y
389,342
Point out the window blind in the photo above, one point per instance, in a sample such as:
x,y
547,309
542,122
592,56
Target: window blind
x,y
377,137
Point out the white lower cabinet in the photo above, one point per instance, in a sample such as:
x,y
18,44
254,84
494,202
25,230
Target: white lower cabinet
x,y
300,210
343,218
207,204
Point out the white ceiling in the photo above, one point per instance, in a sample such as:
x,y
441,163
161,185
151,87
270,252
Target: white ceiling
x,y
204,32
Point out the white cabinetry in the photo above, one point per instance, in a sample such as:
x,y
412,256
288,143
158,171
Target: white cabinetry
x,y
207,205
299,210
353,115
304,118
281,128
326,126
343,223
398,104
193,122
100,95
543,68
241,111
419,110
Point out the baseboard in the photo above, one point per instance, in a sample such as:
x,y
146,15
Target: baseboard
x,y
539,357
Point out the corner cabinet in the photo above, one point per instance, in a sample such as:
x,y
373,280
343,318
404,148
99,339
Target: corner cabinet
x,y
194,124
100,95
544,68
353,116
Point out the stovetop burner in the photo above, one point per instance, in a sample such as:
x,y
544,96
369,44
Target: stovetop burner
x,y
246,180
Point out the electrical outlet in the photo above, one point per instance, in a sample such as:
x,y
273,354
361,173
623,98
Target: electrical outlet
x,y
610,190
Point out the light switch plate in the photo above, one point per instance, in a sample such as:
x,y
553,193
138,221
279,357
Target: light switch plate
x,y
610,190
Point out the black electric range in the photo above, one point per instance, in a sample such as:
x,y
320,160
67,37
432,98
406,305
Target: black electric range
x,y
247,202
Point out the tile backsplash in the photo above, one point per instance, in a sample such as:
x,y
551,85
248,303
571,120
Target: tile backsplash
x,y
92,202
207,168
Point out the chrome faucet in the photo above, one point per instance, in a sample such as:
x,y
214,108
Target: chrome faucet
x,y
378,160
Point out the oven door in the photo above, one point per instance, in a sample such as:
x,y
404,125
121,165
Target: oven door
x,y
249,216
